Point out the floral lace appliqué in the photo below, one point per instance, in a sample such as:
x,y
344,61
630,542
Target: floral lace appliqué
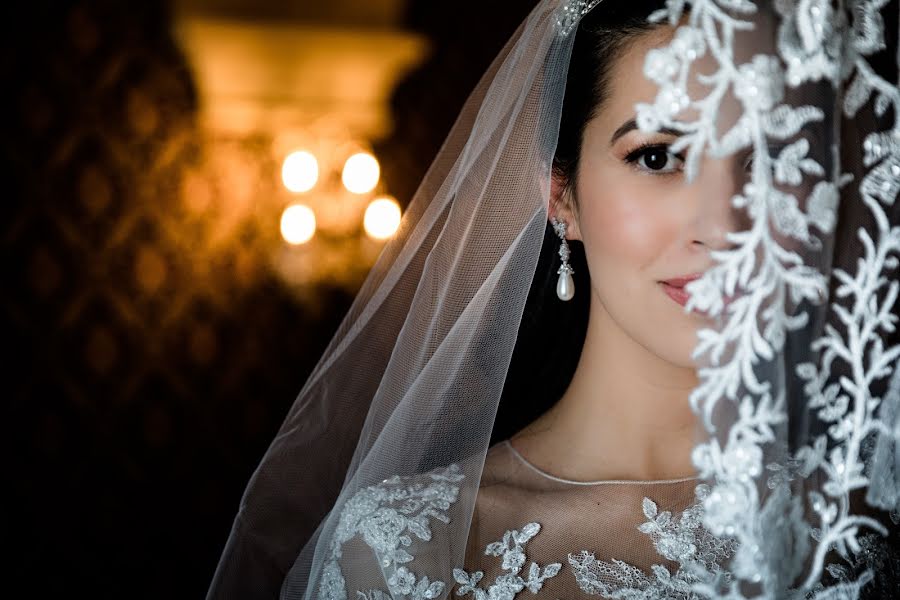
x,y
508,585
792,196
386,516
684,540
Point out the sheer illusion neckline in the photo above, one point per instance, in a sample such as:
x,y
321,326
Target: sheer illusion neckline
x,y
551,477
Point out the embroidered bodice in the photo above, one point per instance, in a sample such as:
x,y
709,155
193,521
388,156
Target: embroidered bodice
x,y
535,534
530,533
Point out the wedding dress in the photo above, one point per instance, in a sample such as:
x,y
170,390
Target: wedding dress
x,y
518,523
614,539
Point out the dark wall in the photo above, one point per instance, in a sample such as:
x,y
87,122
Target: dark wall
x,y
152,354
466,36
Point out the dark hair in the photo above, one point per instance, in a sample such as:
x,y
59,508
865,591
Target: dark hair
x,y
552,333
601,37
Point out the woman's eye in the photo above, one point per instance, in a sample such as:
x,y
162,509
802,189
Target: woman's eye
x,y
655,159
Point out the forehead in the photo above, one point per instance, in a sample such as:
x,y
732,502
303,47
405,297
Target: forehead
x,y
628,84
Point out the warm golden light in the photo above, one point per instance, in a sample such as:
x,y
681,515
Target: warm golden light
x,y
300,171
298,224
361,172
382,218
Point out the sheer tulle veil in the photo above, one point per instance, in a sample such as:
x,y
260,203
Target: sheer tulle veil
x,y
798,403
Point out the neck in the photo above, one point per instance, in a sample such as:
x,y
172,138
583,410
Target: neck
x,y
624,416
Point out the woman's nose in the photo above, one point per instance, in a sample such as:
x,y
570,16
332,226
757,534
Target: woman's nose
x,y
714,216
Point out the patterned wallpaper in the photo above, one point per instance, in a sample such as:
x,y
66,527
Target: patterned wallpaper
x,y
152,350
151,347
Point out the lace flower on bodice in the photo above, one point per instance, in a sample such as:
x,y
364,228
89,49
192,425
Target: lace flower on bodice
x,y
683,540
508,585
387,516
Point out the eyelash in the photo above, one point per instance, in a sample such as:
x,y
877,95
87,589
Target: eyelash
x,y
632,158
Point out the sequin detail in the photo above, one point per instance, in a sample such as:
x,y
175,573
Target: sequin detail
x,y
571,12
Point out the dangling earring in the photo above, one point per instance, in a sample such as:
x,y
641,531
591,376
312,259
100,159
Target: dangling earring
x,y
565,285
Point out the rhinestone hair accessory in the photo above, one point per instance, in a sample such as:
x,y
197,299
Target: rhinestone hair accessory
x,y
570,14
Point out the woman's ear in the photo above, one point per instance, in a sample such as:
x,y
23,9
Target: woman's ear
x,y
562,206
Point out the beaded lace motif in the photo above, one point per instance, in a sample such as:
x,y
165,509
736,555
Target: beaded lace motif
x,y
386,515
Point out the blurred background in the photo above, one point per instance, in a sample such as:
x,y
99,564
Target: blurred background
x,y
196,189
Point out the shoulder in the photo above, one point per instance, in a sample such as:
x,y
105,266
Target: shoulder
x,y
388,535
390,522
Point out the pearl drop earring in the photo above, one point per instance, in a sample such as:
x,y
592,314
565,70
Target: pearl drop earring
x,y
565,285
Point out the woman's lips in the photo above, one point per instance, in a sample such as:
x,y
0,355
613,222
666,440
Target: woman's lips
x,y
674,288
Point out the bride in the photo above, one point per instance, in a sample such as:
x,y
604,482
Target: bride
x,y
600,356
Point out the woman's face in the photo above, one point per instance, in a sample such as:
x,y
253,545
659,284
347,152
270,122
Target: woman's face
x,y
646,230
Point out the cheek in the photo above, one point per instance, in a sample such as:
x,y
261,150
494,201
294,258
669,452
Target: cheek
x,y
627,226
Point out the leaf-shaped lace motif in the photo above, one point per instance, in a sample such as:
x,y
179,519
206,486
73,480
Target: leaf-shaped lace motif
x,y
756,285
683,540
505,587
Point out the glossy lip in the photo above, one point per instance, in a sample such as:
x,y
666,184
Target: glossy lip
x,y
674,288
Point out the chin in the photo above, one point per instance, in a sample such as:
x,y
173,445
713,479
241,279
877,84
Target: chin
x,y
678,348
683,360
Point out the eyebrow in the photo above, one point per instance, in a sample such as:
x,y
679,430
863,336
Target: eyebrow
x,y
631,125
